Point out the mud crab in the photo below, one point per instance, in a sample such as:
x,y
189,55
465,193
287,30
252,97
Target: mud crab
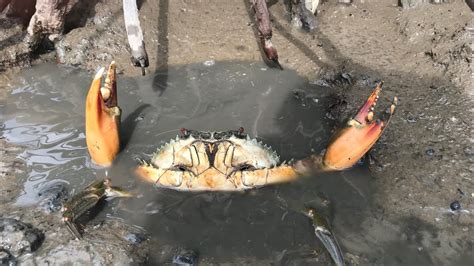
x,y
217,161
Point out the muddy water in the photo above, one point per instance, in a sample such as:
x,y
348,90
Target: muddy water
x,y
45,113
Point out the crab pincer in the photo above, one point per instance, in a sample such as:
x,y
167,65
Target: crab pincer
x,y
350,143
103,118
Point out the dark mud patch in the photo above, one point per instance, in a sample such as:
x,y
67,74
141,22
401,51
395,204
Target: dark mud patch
x,y
18,238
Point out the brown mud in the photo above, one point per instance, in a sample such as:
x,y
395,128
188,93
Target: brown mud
x,y
423,162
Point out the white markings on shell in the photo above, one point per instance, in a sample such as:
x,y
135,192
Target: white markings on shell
x,y
164,156
252,151
261,155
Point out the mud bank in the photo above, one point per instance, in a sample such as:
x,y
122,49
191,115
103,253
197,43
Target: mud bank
x,y
421,165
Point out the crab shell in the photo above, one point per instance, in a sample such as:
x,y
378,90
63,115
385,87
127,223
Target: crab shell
x,y
220,161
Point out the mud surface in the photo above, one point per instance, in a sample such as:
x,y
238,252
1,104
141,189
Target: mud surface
x,y
399,214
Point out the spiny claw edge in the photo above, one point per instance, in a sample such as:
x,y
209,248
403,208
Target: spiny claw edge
x,y
350,143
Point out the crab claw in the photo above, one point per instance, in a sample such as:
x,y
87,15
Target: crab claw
x,y
103,118
349,144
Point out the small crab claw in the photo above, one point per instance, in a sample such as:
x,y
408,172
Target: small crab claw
x,y
349,144
103,118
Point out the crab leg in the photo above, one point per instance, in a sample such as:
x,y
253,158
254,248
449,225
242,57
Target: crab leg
x,y
350,143
86,200
103,118
264,27
324,234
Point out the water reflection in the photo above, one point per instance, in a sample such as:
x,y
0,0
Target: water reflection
x,y
44,115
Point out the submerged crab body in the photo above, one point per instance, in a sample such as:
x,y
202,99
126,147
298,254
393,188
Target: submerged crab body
x,y
225,161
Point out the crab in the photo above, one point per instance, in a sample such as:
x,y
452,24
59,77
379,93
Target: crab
x,y
86,199
218,161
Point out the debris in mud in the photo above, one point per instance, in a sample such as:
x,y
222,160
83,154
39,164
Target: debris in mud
x,y
301,97
302,257
374,163
6,258
455,205
13,52
186,258
301,16
367,81
430,152
411,118
175,255
52,197
415,3
334,78
105,244
74,253
18,238
135,238
336,106
139,118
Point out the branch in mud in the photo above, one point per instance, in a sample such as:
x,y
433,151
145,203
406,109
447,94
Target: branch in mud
x,y
45,21
135,35
264,29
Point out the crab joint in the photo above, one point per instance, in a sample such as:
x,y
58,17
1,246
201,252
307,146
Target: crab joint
x,y
103,118
350,143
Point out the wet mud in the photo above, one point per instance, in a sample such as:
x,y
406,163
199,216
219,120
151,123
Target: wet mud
x,y
392,209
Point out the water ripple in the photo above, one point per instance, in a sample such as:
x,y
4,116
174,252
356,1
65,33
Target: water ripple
x,y
45,117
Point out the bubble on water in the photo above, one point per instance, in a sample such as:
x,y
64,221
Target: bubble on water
x,y
209,62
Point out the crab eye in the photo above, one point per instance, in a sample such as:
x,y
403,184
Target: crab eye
x,y
181,168
246,167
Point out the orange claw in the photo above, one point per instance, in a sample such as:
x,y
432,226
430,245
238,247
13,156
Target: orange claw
x,y
103,118
349,144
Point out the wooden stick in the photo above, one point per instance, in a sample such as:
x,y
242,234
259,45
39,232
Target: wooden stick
x,y
3,4
135,35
